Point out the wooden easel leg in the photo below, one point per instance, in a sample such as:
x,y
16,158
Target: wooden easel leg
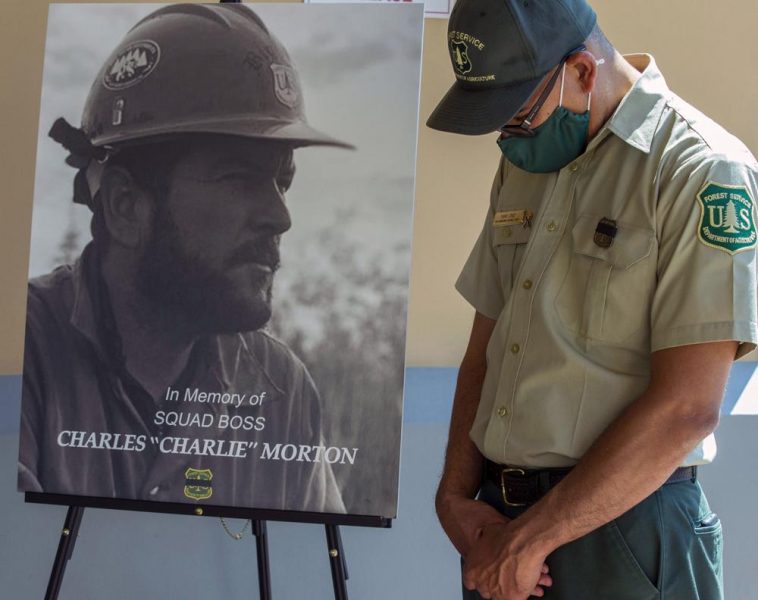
x,y
261,546
65,550
337,561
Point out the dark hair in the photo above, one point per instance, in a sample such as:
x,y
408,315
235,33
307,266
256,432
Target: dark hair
x,y
150,165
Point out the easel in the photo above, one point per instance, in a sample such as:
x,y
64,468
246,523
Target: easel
x,y
259,517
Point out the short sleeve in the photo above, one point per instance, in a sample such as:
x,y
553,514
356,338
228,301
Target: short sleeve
x,y
706,227
479,282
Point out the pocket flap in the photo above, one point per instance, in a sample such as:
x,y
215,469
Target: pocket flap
x,y
630,245
510,234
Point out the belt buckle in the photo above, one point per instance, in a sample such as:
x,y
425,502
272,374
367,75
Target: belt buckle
x,y
503,473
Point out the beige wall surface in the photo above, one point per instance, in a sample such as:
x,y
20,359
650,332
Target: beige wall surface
x,y
707,51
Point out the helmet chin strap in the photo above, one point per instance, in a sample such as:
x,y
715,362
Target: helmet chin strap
x,y
95,171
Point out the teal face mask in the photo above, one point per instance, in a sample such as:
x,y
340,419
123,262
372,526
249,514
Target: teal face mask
x,y
555,143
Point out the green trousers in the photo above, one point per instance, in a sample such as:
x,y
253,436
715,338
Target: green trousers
x,y
668,547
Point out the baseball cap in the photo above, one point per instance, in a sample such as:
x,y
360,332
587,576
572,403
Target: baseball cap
x,y
501,50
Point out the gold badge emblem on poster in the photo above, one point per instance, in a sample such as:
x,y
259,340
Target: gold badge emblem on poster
x,y
197,484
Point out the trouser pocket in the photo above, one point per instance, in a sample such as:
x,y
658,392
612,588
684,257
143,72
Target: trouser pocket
x,y
694,545
599,566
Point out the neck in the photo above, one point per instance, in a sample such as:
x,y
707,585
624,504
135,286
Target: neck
x,y
618,77
155,353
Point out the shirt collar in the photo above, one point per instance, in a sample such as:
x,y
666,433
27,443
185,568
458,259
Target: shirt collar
x,y
637,116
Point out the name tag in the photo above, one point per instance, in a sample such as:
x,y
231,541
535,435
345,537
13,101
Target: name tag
x,y
513,217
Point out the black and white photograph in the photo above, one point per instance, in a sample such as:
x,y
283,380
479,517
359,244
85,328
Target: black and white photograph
x,y
220,255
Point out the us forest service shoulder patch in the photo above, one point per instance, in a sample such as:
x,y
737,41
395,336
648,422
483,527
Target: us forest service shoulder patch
x,y
727,218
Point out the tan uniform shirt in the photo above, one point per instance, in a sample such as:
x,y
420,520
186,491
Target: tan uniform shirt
x,y
578,319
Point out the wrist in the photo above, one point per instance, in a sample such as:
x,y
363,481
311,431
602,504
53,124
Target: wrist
x,y
448,499
534,535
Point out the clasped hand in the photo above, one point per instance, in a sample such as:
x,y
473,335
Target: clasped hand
x,y
501,567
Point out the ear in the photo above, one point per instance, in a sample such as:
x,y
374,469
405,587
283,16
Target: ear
x,y
127,207
585,64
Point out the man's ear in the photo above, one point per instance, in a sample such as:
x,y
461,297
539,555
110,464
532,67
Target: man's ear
x,y
585,64
127,207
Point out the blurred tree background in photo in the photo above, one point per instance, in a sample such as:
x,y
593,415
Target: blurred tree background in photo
x,y
344,315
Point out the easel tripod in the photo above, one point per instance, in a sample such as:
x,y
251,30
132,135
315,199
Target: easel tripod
x,y
336,554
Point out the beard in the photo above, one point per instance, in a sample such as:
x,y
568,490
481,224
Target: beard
x,y
184,293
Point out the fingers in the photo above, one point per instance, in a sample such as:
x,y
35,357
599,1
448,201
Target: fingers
x,y
545,568
545,581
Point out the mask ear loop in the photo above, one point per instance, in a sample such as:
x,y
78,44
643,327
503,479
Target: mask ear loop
x,y
589,97
563,78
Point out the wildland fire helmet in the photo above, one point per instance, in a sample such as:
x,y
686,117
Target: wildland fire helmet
x,y
190,68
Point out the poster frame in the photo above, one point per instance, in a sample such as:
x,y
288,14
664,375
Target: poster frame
x,y
210,510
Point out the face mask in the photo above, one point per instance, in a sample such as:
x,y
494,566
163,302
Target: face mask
x,y
558,141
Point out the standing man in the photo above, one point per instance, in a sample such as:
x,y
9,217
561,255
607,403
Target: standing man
x,y
614,283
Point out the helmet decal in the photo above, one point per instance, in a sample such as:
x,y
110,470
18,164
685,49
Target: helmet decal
x,y
285,85
132,65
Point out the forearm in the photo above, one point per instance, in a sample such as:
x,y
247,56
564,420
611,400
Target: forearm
x,y
640,449
463,461
632,459
460,515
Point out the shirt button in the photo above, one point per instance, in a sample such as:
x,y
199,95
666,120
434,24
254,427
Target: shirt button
x,y
551,226
515,348
528,284
502,411
155,490
574,168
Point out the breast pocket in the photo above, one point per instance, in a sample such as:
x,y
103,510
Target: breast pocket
x,y
509,243
606,292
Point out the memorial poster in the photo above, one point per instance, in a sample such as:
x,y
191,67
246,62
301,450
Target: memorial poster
x,y
220,255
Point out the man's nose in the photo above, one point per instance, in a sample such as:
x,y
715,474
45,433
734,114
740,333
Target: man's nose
x,y
275,216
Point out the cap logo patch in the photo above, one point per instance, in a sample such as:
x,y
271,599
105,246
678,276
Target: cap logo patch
x,y
132,65
285,85
727,218
459,52
460,44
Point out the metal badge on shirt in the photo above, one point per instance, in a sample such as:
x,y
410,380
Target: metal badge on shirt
x,y
605,232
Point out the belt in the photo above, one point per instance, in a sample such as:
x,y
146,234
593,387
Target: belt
x,y
523,487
